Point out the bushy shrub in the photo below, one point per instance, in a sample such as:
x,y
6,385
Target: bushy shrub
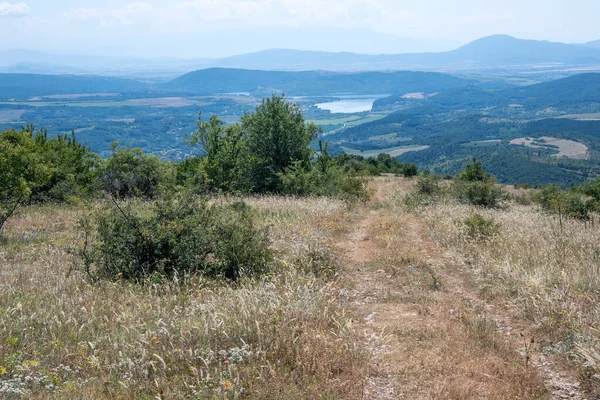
x,y
482,194
523,197
474,172
173,236
190,174
225,164
382,164
429,185
476,187
35,167
428,191
478,227
324,179
70,168
565,203
131,173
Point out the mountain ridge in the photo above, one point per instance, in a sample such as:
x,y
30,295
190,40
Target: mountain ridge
x,y
495,51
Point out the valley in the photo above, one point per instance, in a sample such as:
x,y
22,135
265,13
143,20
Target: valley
x,y
437,120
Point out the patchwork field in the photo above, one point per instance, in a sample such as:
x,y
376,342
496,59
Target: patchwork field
x,y
392,151
11,115
565,148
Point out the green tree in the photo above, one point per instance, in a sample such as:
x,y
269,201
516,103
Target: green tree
x,y
476,187
278,137
131,173
474,173
35,167
70,167
17,162
226,153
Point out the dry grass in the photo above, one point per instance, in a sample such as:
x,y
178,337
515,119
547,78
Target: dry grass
x,y
441,342
372,302
547,277
283,336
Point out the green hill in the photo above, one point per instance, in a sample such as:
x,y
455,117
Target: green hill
x,y
27,85
221,80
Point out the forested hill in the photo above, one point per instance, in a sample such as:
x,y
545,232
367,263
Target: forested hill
x,y
27,85
573,91
221,80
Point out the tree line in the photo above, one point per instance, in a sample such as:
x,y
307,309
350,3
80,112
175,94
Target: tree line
x,y
158,222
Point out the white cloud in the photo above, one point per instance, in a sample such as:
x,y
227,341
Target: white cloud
x,y
235,14
16,9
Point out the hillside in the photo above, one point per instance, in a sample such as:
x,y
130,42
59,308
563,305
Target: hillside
x,y
594,44
507,50
459,123
220,80
28,85
422,303
572,91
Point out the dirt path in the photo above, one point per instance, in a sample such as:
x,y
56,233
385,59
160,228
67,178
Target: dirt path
x,y
430,334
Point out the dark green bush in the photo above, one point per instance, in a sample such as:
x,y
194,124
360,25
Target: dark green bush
x,y
190,174
179,235
428,191
131,173
382,164
474,172
35,168
429,185
482,194
476,187
524,199
324,178
565,203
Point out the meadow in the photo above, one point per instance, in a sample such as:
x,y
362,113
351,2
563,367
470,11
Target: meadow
x,y
374,300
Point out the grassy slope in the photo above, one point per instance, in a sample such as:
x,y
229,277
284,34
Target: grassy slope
x,y
417,310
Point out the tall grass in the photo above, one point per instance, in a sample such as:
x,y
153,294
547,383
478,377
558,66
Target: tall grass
x,y
281,336
547,273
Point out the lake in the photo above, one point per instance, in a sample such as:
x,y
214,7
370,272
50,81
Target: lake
x,y
349,105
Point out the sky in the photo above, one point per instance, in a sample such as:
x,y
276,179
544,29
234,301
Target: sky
x,y
217,28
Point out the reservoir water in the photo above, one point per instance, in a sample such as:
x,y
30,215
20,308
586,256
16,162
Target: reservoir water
x,y
349,104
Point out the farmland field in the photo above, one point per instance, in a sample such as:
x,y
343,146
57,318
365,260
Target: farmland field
x,y
11,115
566,148
392,151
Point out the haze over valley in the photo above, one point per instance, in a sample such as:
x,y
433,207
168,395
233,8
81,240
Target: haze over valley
x,y
435,109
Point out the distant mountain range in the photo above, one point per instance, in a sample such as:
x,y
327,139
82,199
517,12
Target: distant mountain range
x,y
493,52
223,80
439,88
499,51
595,44
313,83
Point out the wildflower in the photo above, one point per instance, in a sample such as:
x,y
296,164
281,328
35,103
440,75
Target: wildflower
x,y
3,370
227,385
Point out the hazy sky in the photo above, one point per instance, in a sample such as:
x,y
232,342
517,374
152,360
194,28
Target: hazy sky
x,y
212,28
